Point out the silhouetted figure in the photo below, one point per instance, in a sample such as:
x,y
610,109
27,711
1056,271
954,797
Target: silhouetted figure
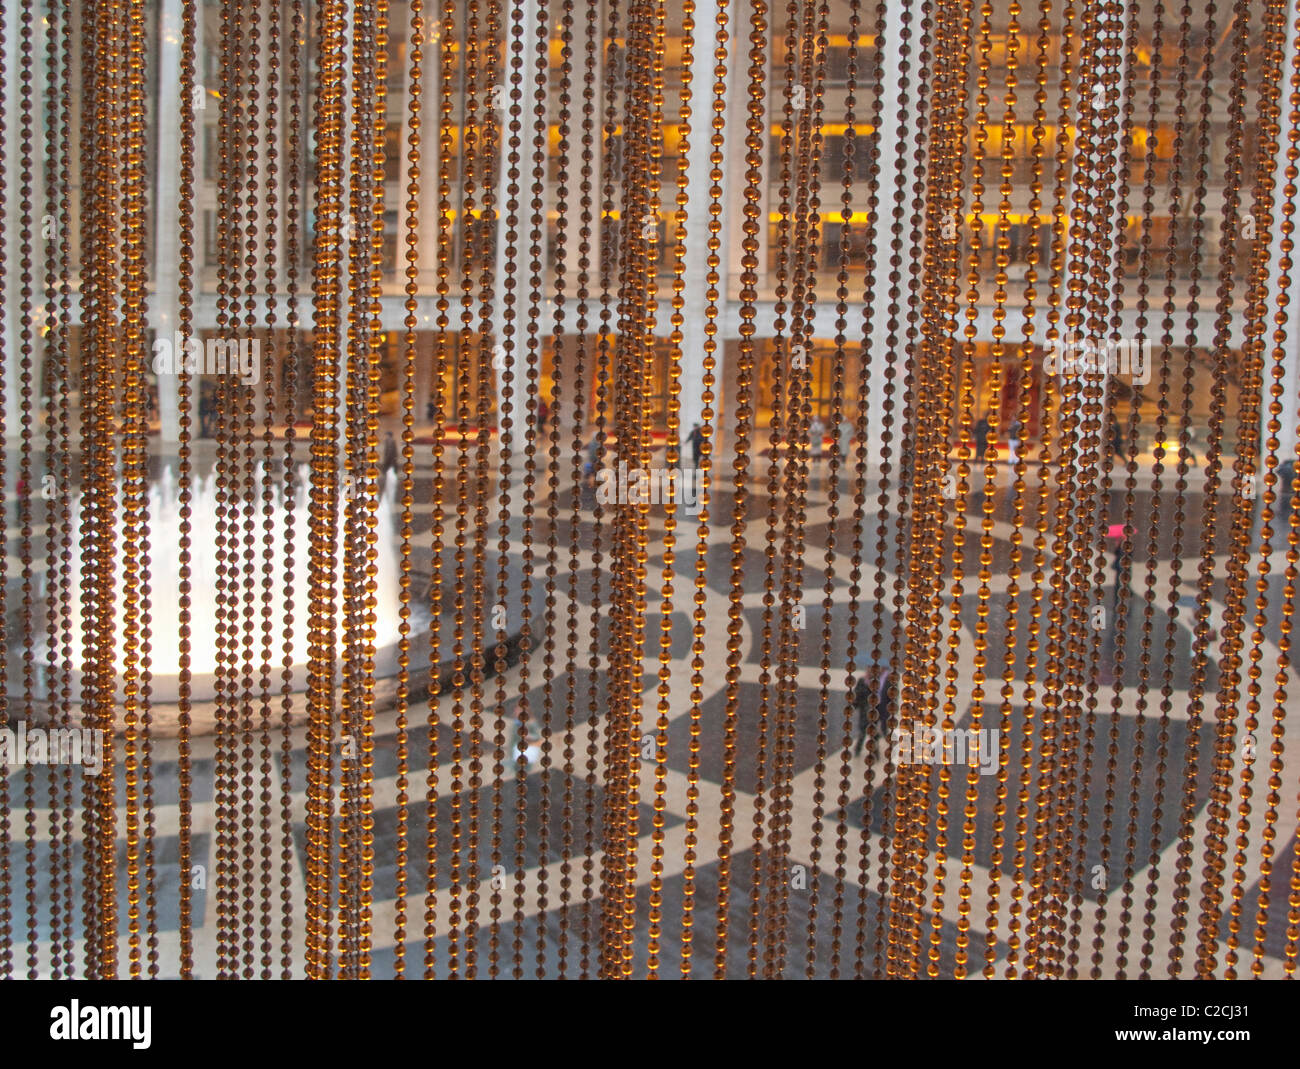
x,y
590,458
982,431
1117,443
388,461
20,490
696,441
871,701
846,440
817,438
1286,485
1014,433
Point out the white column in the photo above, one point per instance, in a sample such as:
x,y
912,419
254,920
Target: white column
x,y
350,227
15,253
891,157
587,32
164,308
696,269
1290,399
736,150
1101,238
521,48
1105,234
430,156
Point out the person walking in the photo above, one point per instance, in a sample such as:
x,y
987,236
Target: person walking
x,y
861,699
388,461
1013,444
590,458
846,441
1117,443
526,749
982,430
20,490
871,701
816,439
696,441
1286,487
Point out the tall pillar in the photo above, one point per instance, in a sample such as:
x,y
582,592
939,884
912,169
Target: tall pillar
x,y
1290,399
164,309
736,150
587,37
521,49
16,253
696,267
891,158
430,155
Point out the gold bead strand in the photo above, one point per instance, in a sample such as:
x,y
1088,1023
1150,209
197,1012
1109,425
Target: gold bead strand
x,y
782,438
484,162
1162,421
227,484
755,144
704,478
1051,511
592,41
411,237
901,328
1129,457
273,401
256,211
470,165
324,487
1263,209
448,46
490,169
837,463
534,347
1104,297
559,261
672,461
966,401
1285,267
1200,642
594,928
814,44
6,830
26,350
134,549
291,482
1001,244
1024,350
59,451
1242,516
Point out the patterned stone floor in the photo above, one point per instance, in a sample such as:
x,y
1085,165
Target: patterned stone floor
x,y
832,879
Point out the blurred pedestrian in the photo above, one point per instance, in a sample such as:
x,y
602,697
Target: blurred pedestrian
x,y
20,489
1013,444
871,701
982,430
526,748
696,441
388,459
846,440
817,438
1286,485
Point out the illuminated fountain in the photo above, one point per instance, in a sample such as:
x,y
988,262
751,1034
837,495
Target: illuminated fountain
x,y
273,583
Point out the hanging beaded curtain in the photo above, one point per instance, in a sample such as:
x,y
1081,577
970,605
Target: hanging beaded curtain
x,y
581,488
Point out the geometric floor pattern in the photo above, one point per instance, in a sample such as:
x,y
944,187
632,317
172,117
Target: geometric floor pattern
x,y
834,911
